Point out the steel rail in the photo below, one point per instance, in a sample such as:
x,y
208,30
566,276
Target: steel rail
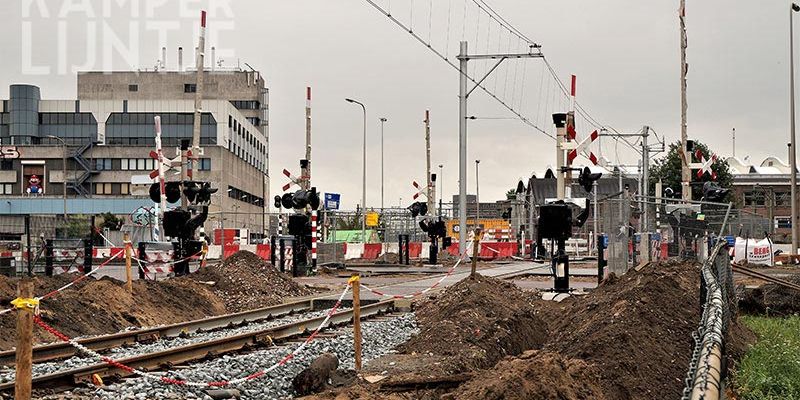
x,y
58,350
198,351
759,275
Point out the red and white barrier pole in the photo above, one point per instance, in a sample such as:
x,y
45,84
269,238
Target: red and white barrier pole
x,y
314,239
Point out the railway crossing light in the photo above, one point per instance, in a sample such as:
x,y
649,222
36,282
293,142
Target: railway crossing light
x,y
714,193
277,201
586,178
418,208
172,189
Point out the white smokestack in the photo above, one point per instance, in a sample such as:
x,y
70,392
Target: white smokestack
x,y
164,57
180,58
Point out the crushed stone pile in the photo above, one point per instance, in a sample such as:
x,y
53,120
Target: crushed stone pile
x,y
475,323
95,307
245,281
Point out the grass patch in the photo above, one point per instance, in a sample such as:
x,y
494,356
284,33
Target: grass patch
x,y
771,369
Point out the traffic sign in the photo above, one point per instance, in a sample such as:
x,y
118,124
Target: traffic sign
x,y
332,201
371,218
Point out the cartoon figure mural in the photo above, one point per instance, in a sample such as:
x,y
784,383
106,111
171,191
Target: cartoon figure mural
x,y
34,186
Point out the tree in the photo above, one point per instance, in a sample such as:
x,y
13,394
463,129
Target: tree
x,y
668,169
511,194
111,221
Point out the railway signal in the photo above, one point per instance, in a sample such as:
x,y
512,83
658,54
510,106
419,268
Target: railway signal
x,y
587,178
418,208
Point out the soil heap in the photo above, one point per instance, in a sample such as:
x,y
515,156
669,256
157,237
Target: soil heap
x,y
636,329
535,374
245,281
103,306
475,323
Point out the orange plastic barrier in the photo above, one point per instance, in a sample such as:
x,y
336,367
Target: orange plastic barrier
x,y
263,251
414,249
230,249
372,250
498,250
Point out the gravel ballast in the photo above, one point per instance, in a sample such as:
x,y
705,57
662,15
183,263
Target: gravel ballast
x,y
379,337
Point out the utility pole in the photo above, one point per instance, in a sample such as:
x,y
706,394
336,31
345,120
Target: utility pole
x,y
462,147
198,95
477,194
560,121
733,133
792,150
645,178
306,180
431,190
463,95
686,172
383,120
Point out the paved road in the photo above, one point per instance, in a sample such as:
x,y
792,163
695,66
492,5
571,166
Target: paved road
x,y
408,287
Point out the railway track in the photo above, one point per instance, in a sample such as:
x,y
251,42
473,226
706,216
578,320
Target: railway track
x,y
65,380
760,275
69,378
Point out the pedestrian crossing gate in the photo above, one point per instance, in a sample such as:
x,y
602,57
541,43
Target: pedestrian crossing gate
x,y
67,256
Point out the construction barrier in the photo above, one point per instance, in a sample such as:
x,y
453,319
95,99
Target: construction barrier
x,y
372,251
353,251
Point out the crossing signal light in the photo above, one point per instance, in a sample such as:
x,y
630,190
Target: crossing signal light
x,y
714,193
277,201
172,189
418,208
586,178
299,199
198,192
286,201
436,228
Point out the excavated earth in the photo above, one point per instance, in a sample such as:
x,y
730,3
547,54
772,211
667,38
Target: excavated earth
x,y
103,306
485,339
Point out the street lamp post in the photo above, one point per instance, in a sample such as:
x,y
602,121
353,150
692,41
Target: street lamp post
x,y
477,194
63,169
363,172
793,151
383,119
441,187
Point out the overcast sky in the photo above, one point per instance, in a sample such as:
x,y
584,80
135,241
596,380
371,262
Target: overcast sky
x,y
625,54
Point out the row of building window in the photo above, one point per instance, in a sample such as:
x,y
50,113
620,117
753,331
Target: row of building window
x,y
6,188
112,188
139,164
166,119
246,104
246,197
762,198
67,119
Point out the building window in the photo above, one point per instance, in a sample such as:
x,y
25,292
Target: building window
x,y
204,164
754,198
125,188
783,199
133,88
6,165
103,164
189,88
6,188
102,188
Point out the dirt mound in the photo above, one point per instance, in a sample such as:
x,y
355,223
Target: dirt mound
x,y
772,299
636,329
533,375
475,323
245,281
103,306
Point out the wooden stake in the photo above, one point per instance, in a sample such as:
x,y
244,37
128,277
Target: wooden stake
x,y
126,238
476,243
355,281
24,352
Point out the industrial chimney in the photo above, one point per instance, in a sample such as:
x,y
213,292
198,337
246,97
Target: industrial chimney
x,y
213,57
163,58
180,59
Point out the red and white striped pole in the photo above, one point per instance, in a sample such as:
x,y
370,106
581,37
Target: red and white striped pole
x,y
313,239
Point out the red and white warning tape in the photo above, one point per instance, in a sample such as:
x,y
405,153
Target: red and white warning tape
x,y
421,292
76,280
182,382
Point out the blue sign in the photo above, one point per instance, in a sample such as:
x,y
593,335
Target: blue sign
x,y
332,201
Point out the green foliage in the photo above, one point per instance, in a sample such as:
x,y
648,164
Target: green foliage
x,y
668,169
349,222
111,222
771,369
